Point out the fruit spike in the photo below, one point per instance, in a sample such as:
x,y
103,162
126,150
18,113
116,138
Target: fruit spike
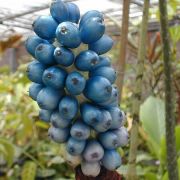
x,y
91,127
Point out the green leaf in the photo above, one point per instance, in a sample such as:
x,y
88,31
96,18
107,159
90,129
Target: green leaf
x,y
44,173
177,133
29,171
152,116
150,176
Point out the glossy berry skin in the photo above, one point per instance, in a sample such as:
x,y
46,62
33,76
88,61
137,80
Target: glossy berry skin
x,y
68,107
80,131
32,42
113,101
98,89
111,160
75,83
92,30
90,114
54,77
68,35
107,72
59,11
72,160
57,121
109,140
45,27
75,147
34,89
85,60
117,117
105,123
123,136
74,12
45,115
101,46
48,98
90,169
63,56
93,151
58,135
104,61
35,71
90,14
44,54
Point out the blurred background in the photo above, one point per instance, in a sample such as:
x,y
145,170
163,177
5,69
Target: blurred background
x,y
25,149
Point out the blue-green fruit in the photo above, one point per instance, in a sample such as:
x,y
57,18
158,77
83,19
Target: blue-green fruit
x,y
92,30
58,135
48,98
80,131
74,12
75,83
101,46
107,72
32,42
64,56
45,27
54,77
45,115
34,89
59,11
44,54
35,71
68,107
98,89
75,147
68,35
93,151
86,60
91,115
58,122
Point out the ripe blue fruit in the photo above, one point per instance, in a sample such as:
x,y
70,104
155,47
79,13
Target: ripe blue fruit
x,y
34,89
113,101
80,131
117,117
91,115
45,115
105,123
59,11
90,14
75,83
92,30
107,72
74,12
48,98
111,160
68,35
54,77
109,140
64,56
93,151
35,71
123,136
58,122
101,46
32,42
58,135
68,107
90,169
103,61
45,27
44,53
75,147
85,60
98,89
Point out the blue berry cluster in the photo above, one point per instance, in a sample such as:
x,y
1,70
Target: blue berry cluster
x,y
76,94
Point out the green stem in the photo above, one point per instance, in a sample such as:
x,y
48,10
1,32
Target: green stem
x,y
131,175
169,97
